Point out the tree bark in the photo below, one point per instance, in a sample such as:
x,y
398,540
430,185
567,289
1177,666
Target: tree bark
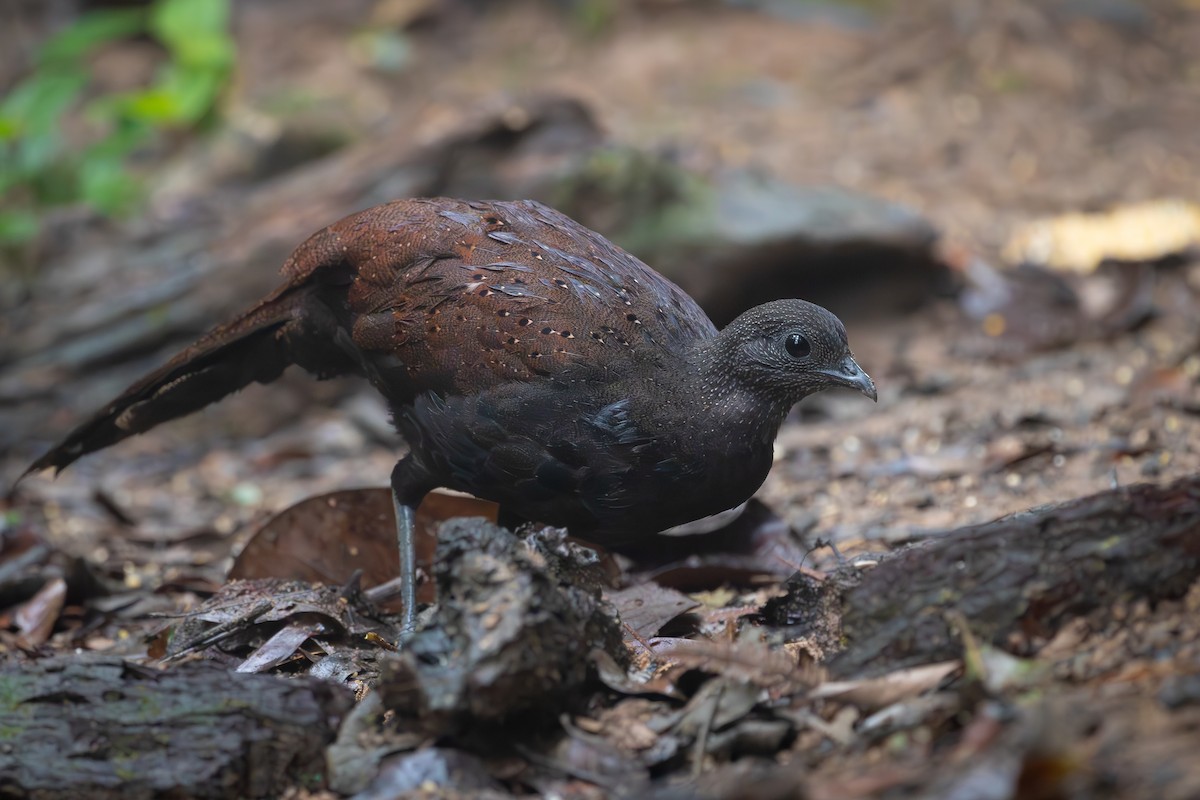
x,y
1018,579
103,728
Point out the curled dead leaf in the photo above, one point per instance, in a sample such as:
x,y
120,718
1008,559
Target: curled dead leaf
x,y
1137,232
873,694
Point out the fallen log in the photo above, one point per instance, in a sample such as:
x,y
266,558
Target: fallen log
x,y
105,728
1018,579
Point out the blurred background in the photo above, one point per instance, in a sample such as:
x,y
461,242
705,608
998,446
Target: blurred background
x,y
998,198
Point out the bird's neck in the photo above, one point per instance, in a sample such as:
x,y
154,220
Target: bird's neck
x,y
727,403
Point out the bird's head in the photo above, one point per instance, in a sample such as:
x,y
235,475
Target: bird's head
x,y
789,349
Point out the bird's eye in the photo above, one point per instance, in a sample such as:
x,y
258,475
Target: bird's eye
x,y
797,345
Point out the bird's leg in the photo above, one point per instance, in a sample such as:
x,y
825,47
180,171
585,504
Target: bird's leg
x,y
405,534
407,491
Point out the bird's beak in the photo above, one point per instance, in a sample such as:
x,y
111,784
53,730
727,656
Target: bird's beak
x,y
852,376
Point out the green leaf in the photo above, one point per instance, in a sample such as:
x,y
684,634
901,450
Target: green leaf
x,y
9,176
55,183
91,30
38,167
207,51
192,92
105,184
36,104
178,21
33,154
126,136
156,106
17,227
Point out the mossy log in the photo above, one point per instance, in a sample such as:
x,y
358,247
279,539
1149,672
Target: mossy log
x,y
105,728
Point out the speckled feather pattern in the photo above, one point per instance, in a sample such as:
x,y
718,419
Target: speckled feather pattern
x,y
461,296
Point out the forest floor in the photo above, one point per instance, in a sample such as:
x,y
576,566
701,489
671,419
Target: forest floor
x,y
1006,390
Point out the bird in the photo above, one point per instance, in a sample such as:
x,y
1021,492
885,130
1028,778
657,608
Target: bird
x,y
525,359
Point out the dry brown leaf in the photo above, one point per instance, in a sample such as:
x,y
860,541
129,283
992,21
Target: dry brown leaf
x,y
35,617
1137,232
876,693
616,678
647,607
1169,386
244,613
282,646
743,661
325,539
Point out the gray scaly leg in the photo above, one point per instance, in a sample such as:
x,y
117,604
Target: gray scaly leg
x,y
405,538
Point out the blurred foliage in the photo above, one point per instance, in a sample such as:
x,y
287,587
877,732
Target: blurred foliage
x,y
383,49
592,18
41,168
643,201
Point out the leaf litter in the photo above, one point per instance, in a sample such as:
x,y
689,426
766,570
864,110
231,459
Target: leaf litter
x,y
1092,352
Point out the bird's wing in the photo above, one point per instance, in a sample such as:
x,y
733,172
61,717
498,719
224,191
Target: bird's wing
x,y
467,295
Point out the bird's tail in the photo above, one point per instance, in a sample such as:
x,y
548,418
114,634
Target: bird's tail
x,y
254,347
